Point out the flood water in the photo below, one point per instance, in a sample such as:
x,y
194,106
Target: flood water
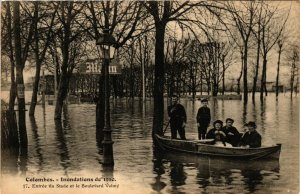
x,y
71,149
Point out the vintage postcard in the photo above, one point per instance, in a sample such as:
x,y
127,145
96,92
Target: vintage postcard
x,y
149,97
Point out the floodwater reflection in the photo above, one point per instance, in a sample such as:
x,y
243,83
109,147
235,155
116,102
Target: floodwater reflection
x,y
71,146
37,144
213,173
62,145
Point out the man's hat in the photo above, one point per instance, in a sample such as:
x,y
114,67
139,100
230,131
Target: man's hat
x,y
218,121
251,124
230,119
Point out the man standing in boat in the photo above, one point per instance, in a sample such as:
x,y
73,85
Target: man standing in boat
x,y
177,116
232,134
203,119
251,138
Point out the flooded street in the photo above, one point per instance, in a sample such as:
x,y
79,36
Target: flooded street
x,y
72,150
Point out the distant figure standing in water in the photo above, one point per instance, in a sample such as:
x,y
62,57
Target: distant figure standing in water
x,y
232,134
203,119
251,138
177,116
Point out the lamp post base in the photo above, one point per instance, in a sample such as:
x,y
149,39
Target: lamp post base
x,y
108,155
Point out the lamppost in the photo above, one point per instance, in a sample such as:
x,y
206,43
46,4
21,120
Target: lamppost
x,y
106,44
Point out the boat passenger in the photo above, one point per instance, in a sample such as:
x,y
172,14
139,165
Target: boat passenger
x,y
203,119
232,134
220,140
251,138
177,116
218,135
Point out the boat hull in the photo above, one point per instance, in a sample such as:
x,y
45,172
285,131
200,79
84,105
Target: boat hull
x,y
200,148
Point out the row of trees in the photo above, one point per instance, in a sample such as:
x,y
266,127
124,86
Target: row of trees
x,y
185,46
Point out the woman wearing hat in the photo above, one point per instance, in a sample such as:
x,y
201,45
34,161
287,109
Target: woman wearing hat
x,y
216,133
251,138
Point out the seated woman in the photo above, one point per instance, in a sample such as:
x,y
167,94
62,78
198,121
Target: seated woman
x,y
217,134
251,138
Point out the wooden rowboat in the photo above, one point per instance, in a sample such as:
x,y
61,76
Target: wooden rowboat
x,y
201,147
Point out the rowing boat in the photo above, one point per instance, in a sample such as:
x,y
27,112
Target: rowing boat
x,y
202,147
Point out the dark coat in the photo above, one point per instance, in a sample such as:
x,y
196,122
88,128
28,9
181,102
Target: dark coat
x,y
203,115
212,135
232,135
176,113
252,139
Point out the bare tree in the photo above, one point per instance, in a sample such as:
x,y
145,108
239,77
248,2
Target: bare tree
x,y
8,50
293,61
244,19
42,38
20,62
257,35
272,25
162,13
68,33
122,19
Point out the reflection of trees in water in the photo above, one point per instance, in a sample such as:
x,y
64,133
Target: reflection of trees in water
x,y
221,177
37,146
23,159
252,178
213,173
14,161
9,160
177,174
263,116
62,145
158,169
203,175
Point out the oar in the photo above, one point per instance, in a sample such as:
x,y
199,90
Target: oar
x,y
166,127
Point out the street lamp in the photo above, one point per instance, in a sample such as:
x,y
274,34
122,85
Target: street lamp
x,y
106,44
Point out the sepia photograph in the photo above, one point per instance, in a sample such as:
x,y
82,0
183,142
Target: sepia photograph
x,y
150,97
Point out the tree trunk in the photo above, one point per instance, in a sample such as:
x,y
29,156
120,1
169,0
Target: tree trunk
x,y
61,94
35,89
65,75
292,86
255,78
158,116
37,66
240,77
13,87
19,76
292,78
277,76
223,75
245,78
263,78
